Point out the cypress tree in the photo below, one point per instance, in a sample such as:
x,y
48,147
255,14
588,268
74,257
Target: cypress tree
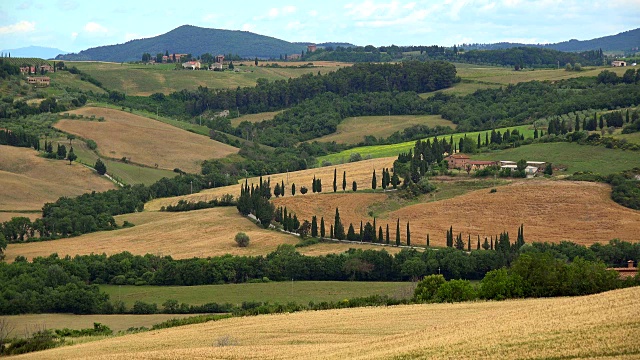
x,y
427,240
314,226
577,123
322,227
354,187
478,247
293,189
282,188
469,243
335,180
380,236
351,233
338,227
601,123
408,235
479,142
319,185
387,235
486,139
331,233
374,181
276,190
627,119
491,246
313,184
398,233
344,181
535,133
485,245
360,235
374,228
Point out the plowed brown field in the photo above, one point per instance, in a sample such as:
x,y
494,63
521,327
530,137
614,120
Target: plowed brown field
x,y
200,233
28,181
552,211
597,326
145,141
361,172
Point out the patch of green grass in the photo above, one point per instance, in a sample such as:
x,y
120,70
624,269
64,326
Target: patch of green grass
x,y
140,79
632,138
301,292
597,159
378,151
61,80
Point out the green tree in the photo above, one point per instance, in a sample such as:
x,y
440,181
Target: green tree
x,y
335,180
338,231
314,226
231,66
395,180
282,191
322,227
351,234
374,181
456,291
276,190
387,235
459,242
427,288
71,156
293,189
100,167
398,233
242,239
354,186
344,181
408,235
3,245
413,268
380,236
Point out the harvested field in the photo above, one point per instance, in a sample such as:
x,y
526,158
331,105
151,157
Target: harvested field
x,y
28,181
201,233
27,323
353,130
360,172
6,216
144,141
597,326
553,211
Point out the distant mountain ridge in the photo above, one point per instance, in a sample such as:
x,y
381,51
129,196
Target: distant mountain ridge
x,y
624,41
188,39
34,52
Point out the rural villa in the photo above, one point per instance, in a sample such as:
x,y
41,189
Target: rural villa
x,y
629,271
39,80
461,161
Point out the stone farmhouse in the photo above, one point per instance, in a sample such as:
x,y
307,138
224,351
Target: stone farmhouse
x,y
39,80
618,63
629,271
193,65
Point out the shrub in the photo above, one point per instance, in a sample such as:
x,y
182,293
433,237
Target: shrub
x,y
492,191
456,291
91,144
141,307
499,285
355,157
242,239
427,288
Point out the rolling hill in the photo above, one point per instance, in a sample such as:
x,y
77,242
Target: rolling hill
x,y
188,39
602,326
620,42
35,52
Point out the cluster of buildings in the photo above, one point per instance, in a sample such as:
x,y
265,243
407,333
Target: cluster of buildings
x,y
197,65
462,161
40,81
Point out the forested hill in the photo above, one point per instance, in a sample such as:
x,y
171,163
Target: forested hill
x,y
193,40
624,41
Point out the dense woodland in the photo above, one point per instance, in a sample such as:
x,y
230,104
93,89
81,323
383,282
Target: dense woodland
x,y
54,284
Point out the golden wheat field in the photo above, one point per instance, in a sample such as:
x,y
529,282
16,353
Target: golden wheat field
x,y
200,233
552,211
28,181
597,326
6,216
360,172
144,141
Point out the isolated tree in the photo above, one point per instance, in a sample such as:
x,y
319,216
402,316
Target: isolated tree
x,y
335,180
338,227
374,181
293,189
322,227
282,188
276,190
478,247
256,61
70,137
242,239
351,234
331,232
380,236
485,245
469,243
100,167
319,185
303,190
71,156
344,181
314,184
398,233
408,235
354,186
427,240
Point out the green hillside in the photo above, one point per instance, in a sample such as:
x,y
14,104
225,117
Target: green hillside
x,y
193,40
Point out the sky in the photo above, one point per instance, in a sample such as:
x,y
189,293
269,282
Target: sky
x,y
74,25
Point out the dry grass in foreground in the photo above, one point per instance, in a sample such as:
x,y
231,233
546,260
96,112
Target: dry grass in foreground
x,y
201,233
145,141
28,181
597,326
552,211
360,172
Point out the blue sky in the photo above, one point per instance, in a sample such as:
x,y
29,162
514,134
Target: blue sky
x,y
75,25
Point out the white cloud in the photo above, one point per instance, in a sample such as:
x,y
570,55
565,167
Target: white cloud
x,y
93,27
20,27
74,35
248,27
273,13
289,9
277,12
313,13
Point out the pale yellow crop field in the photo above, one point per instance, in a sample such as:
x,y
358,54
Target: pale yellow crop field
x,y
253,118
28,181
145,141
360,171
201,233
598,326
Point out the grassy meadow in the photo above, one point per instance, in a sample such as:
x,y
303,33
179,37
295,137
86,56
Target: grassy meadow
x,y
301,292
144,80
378,151
602,326
350,130
576,157
253,118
